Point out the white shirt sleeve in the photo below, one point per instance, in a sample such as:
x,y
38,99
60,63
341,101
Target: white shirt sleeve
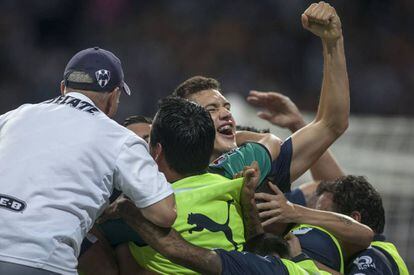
x,y
137,175
3,117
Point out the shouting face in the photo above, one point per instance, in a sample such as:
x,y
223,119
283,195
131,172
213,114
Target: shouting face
x,y
219,108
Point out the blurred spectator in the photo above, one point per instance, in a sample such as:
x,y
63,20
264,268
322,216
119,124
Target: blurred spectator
x,y
243,44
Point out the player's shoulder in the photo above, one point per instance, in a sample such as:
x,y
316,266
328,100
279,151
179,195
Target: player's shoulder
x,y
370,261
248,150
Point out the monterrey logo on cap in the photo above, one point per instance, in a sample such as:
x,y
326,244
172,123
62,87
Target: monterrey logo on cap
x,y
103,77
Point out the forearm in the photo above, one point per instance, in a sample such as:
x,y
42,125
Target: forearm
x,y
343,227
326,167
170,244
333,108
252,223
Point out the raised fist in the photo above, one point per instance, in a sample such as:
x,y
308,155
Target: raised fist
x,y
321,19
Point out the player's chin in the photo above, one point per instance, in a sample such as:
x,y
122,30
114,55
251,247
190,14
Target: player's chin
x,y
224,145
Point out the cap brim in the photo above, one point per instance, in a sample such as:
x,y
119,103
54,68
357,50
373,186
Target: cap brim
x,y
126,89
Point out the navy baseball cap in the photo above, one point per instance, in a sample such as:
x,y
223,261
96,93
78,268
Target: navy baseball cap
x,y
95,69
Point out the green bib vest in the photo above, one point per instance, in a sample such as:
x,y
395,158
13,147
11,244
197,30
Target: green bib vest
x,y
303,226
305,267
392,250
208,215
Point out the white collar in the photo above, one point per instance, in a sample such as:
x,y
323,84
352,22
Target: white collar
x,y
81,97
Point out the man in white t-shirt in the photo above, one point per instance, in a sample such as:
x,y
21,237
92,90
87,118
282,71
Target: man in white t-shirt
x,y
60,161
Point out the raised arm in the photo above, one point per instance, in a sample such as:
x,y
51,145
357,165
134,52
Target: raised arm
x,y
310,142
281,111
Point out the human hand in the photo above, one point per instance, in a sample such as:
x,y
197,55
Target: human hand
x,y
294,245
279,109
251,177
116,209
110,213
275,208
322,20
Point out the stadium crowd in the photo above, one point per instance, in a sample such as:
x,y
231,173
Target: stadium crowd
x,y
185,192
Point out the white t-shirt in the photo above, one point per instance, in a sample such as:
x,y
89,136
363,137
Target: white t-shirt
x,y
59,163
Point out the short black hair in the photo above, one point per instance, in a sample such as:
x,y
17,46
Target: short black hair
x,y
196,84
137,119
355,193
269,244
186,132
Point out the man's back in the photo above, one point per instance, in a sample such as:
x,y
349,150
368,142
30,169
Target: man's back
x,y
209,215
58,159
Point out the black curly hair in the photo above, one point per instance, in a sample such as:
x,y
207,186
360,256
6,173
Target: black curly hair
x,y
355,193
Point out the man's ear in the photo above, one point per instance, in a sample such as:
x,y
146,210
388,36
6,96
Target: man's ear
x,y
157,151
356,216
112,102
62,87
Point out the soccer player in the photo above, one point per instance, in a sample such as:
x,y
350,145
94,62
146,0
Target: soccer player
x,y
208,205
267,254
288,161
356,197
140,125
59,162
326,237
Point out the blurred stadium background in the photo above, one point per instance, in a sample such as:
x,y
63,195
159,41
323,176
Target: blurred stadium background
x,y
246,45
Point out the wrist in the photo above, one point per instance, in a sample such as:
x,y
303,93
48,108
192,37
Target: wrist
x,y
332,43
298,216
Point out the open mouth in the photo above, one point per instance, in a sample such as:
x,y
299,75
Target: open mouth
x,y
226,130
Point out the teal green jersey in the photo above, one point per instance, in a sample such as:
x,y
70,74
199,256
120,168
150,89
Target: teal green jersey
x,y
235,160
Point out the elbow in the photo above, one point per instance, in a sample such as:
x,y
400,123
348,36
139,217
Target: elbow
x,y
366,237
369,236
169,221
168,218
339,128
163,213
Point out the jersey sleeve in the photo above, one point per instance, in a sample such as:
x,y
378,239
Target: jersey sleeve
x,y
280,168
4,117
234,161
137,175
